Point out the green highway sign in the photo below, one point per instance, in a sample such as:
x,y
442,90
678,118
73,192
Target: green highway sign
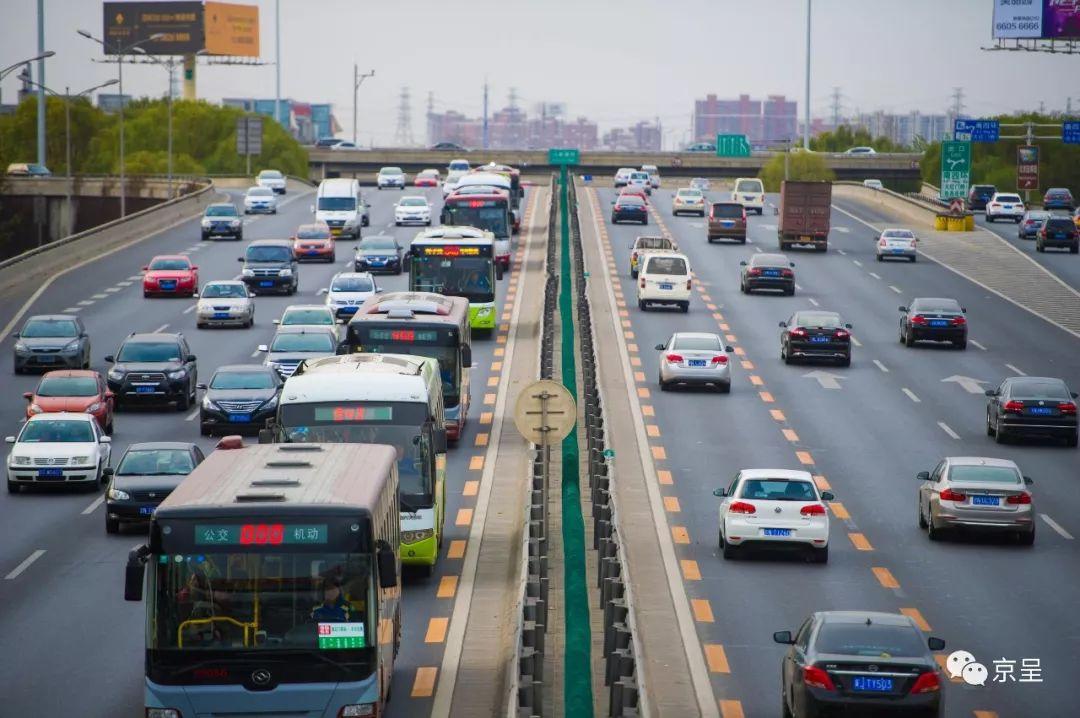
x,y
564,156
732,146
955,169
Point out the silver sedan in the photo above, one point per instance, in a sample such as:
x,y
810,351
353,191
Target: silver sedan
x,y
695,358
976,494
225,303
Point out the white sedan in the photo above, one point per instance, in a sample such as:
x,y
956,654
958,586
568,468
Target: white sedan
x,y
223,303
412,210
1005,206
774,507
898,243
260,199
271,179
61,448
390,177
688,200
348,290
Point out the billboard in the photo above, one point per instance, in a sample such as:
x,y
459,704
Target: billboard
x,y
179,23
1037,19
1027,167
232,29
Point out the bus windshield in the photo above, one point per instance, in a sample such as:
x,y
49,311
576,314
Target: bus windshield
x,y
387,339
469,277
493,217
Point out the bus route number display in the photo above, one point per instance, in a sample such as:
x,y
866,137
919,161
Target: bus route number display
x,y
342,635
338,414
259,534
405,336
451,251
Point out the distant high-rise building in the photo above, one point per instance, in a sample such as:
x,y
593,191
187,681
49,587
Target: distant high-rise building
x,y
762,121
512,128
904,129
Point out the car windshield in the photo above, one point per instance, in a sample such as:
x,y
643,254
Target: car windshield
x,y
260,192
68,386
984,188
1036,216
413,202
935,305
873,640
307,316
899,234
313,233
704,344
1057,192
156,462
222,291
769,260
270,174
352,284
639,175
631,200
372,243
221,211
337,204
778,490
40,328
302,343
991,474
170,265
690,193
56,431
149,352
255,379
269,254
1039,389
826,320
390,171
430,173
748,186
653,243
666,265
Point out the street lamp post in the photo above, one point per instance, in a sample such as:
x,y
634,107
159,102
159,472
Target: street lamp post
x,y
4,72
358,80
120,81
170,67
806,109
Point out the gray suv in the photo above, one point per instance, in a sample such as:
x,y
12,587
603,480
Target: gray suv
x,y
270,266
52,341
153,369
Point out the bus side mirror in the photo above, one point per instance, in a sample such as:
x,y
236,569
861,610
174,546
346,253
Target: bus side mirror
x,y
135,573
466,355
438,439
266,436
387,567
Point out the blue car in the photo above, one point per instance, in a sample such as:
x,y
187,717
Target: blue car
x,y
1029,225
1058,198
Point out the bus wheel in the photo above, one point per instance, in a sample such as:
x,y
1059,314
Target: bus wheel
x,y
498,271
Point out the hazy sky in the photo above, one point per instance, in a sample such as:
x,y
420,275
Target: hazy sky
x,y
615,61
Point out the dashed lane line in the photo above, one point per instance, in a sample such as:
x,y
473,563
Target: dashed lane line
x,y
160,329
93,505
885,577
860,542
190,309
17,571
813,301
945,427
917,617
1057,527
70,310
424,683
1013,369
85,302
193,415
875,276
911,395
436,630
857,262
731,708
112,290
895,289
855,341
881,366
976,344
99,296
716,658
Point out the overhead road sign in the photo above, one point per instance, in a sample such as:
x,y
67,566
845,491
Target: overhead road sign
x,y
976,130
1036,20
955,169
231,29
180,25
1070,133
732,146
564,156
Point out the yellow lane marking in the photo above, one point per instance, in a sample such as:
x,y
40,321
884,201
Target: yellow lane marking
x,y
504,327
680,535
822,482
639,376
627,323
805,458
628,334
702,610
710,306
756,380
777,414
860,542
635,361
476,463
501,339
885,577
731,338
493,381
986,714
499,351
914,615
647,410
652,430
658,453
747,364
664,477
486,417
424,684
631,347
704,297
839,510
436,630
716,658
471,488
496,366
718,316
739,351
790,435
643,392
489,399
765,397
671,504
464,517
724,327
457,549
482,439
624,313
690,570
447,587
730,708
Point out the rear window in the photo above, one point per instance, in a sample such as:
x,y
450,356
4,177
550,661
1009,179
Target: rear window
x,y
1039,389
769,260
175,265
631,199
666,265
653,243
352,284
993,474
307,316
1060,224
217,210
639,175
1008,198
899,234
778,490
1058,192
728,210
873,640
263,253
748,186
68,386
391,170
818,319
935,305
984,188
704,344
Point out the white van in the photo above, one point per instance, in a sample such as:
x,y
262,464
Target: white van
x,y
339,204
750,192
664,279
654,175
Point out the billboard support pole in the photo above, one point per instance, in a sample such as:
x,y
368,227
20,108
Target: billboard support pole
x,y
41,82
277,62
1030,141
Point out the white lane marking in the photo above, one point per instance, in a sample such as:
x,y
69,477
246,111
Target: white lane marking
x,y
1015,370
85,302
980,346
112,290
25,564
813,301
947,430
99,296
841,251
842,230
857,262
798,286
757,249
911,395
160,329
93,505
875,276
192,416
190,309
881,366
1056,526
134,277
124,283
70,310
895,289
855,341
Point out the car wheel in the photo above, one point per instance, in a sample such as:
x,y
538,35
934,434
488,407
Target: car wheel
x,y
932,531
785,712
112,526
819,555
909,339
205,430
710,240
846,361
685,307
728,551
183,402
641,305
989,426
880,258
989,219
1075,249
788,359
790,291
1026,538
333,258
922,519
1073,440
999,434
724,388
1039,246
664,386
12,487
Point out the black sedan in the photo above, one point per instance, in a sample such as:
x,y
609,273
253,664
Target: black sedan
x,y
767,271
815,335
239,397
1031,406
378,254
630,208
146,474
840,662
52,341
932,319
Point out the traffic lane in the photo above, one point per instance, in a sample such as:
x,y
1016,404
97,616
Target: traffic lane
x,y
810,405
1066,267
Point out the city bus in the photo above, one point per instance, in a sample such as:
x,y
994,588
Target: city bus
x,y
378,399
271,578
486,207
423,324
457,262
517,192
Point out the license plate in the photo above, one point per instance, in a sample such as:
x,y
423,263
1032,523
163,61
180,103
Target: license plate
x,y
1059,235
335,230
727,223
804,239
146,510
985,500
819,340
897,250
50,473
46,359
776,532
168,285
771,273
872,684
697,362
311,252
667,286
221,315
144,390
240,418
1039,410
939,323
266,283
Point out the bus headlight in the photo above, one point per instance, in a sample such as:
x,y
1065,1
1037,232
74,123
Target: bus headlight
x,y
356,710
484,311
408,537
163,713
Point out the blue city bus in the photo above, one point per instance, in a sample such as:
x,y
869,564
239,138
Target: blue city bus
x,y
271,578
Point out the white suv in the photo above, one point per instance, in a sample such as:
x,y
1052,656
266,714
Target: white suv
x,y
60,448
390,177
622,177
640,180
664,279
750,192
1005,206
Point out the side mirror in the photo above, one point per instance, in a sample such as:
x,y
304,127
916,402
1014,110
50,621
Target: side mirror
x,y
312,208
935,644
922,476
387,567
194,268
266,436
201,386
108,471
783,637
963,310
9,439
783,325
466,355
848,326
660,347
1074,395
146,269
993,392
720,492
742,264
277,321
1028,481
191,357
28,395
322,291
902,309
135,573
263,348
106,439
239,259
827,496
110,359
438,440
791,264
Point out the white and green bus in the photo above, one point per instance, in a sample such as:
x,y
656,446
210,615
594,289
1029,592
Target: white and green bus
x,y
457,262
392,399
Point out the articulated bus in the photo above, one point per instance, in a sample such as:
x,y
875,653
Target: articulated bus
x,y
422,324
457,262
271,577
485,207
390,399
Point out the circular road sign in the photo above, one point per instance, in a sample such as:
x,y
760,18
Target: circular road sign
x,y
545,412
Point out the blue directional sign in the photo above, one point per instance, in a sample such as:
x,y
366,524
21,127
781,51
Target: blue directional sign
x,y
1070,133
976,130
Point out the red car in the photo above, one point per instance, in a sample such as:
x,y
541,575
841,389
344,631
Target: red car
x,y
170,274
629,191
75,390
314,243
427,178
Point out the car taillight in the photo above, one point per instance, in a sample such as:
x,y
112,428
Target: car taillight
x,y
918,319
744,214
1067,407
950,495
1014,407
842,334
882,243
642,282
688,281
994,204
817,678
674,358
742,507
787,273
959,321
927,683
1018,499
798,332
722,360
812,510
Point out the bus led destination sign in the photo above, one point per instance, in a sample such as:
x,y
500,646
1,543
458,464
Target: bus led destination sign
x,y
452,251
259,534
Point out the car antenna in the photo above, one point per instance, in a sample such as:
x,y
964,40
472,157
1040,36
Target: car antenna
x,y
869,622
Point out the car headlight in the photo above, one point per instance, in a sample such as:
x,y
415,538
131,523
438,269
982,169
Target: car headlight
x,y
21,348
270,403
118,495
20,460
72,346
178,374
168,713
206,223
80,460
285,272
248,272
116,374
96,406
416,536
207,404
484,311
234,223
354,710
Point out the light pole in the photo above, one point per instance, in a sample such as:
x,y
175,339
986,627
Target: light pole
x,y
5,71
120,81
170,67
806,108
357,80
